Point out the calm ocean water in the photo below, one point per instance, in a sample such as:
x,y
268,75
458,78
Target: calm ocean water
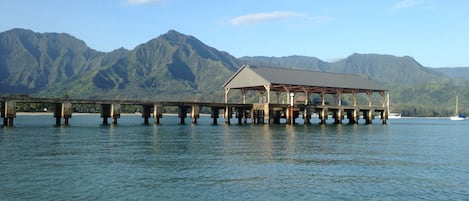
x,y
408,159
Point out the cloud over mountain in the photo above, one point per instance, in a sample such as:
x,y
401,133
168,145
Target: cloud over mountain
x,y
263,17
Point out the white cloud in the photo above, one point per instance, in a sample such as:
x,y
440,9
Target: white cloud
x,y
404,4
140,2
263,17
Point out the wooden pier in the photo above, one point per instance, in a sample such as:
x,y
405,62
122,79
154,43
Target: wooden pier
x,y
262,81
255,113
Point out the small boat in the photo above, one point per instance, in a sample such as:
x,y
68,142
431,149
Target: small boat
x,y
392,115
457,116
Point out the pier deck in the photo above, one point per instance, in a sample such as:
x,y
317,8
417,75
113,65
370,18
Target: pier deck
x,y
257,113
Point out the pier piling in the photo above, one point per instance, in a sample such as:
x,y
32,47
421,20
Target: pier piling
x,y
62,110
105,112
307,115
182,114
157,113
146,113
214,115
8,112
228,114
115,113
195,113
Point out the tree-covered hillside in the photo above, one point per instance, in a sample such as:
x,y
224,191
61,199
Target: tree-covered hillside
x,y
175,66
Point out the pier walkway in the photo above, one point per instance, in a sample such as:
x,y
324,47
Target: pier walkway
x,y
256,113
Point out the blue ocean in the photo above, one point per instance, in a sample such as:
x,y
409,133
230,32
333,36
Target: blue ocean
x,y
407,159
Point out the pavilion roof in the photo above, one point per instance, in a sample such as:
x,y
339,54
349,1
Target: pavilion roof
x,y
254,77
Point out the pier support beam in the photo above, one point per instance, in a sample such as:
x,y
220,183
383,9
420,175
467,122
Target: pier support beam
x,y
195,113
214,115
253,116
105,112
267,114
290,115
384,116
239,115
277,114
228,114
62,110
259,116
115,113
323,114
368,115
146,113
352,116
157,113
58,114
112,111
8,112
338,116
307,115
182,114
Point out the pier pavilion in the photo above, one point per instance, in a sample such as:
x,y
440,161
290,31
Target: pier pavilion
x,y
277,88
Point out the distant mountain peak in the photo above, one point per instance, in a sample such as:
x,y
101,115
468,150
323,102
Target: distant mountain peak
x,y
173,32
175,36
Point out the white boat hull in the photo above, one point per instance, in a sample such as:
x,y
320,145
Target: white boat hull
x,y
394,115
457,118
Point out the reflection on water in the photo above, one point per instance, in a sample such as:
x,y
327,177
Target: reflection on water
x,y
406,159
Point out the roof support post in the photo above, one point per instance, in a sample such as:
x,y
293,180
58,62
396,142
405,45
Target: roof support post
x,y
244,91
267,88
288,90
306,95
227,90
383,98
339,96
354,93
323,97
370,97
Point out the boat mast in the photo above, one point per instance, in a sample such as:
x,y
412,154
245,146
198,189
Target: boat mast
x,y
457,105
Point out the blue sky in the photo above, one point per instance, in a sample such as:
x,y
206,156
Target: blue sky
x,y
434,32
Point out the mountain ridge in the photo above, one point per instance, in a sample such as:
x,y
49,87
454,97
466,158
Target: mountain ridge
x,y
175,66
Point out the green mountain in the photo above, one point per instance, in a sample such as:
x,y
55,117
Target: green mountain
x,y
171,66
174,66
31,62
